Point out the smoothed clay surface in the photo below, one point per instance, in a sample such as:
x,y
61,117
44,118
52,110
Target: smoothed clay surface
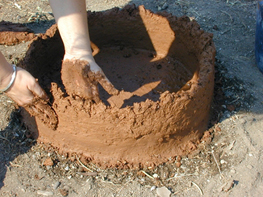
x,y
164,69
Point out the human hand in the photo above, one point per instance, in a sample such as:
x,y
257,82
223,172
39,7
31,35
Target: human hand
x,y
27,93
81,78
25,88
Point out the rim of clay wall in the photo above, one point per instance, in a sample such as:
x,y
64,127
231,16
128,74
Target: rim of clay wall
x,y
193,100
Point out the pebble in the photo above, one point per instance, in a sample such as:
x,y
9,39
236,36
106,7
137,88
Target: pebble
x,y
45,193
163,192
66,168
165,6
223,161
153,188
56,185
233,171
249,167
178,164
48,162
155,176
63,192
227,186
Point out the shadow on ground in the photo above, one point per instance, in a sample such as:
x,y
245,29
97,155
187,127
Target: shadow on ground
x,y
14,140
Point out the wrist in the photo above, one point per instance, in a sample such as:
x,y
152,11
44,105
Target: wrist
x,y
5,75
81,55
5,84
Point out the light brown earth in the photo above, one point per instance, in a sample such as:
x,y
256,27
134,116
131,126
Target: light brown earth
x,y
231,165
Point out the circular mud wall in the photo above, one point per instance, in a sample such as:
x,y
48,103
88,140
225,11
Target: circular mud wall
x,y
167,63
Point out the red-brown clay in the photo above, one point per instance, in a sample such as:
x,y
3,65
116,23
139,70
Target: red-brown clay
x,y
14,33
137,47
80,81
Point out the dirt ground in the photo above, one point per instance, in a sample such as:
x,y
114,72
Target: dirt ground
x,y
229,165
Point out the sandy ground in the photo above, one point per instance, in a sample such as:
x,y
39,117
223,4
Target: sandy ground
x,y
231,165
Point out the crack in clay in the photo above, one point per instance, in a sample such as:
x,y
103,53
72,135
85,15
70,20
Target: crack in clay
x,y
138,48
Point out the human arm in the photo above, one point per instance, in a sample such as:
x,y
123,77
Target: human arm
x,y
71,18
24,88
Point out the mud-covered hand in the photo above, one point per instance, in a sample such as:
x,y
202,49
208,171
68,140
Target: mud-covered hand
x,y
24,88
27,93
81,79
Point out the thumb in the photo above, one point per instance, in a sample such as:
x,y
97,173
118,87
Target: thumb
x,y
38,91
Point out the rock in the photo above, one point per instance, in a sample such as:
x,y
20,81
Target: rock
x,y
45,193
230,108
48,162
165,6
228,185
156,176
163,192
178,164
153,188
63,192
56,185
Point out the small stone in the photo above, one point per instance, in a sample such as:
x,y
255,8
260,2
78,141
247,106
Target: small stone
x,y
155,176
48,162
215,27
56,185
230,108
163,192
178,164
165,6
67,168
233,171
223,161
227,186
45,193
217,128
153,188
63,192
249,167
178,158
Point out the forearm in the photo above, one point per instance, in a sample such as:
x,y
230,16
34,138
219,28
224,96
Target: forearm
x,y
6,71
71,18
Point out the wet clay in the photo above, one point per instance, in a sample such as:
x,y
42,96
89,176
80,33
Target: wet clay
x,y
80,81
163,67
14,33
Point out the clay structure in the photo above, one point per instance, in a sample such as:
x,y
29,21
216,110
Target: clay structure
x,y
164,69
14,33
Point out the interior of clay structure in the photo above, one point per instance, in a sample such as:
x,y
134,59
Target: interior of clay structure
x,y
168,60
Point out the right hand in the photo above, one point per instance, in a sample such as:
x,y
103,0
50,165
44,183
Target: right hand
x,y
81,77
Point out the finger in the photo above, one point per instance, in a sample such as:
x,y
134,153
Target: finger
x,y
95,93
38,91
47,114
44,112
106,84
